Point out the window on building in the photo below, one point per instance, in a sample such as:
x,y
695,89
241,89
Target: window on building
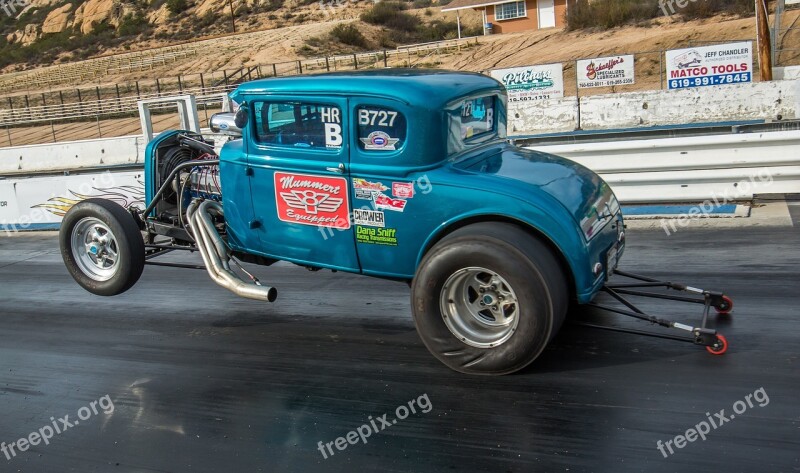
x,y
298,124
508,11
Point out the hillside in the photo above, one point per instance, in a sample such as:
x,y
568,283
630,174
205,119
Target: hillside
x,y
285,44
57,31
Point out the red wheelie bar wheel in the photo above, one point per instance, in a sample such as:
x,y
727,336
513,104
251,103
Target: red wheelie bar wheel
x,y
721,346
726,306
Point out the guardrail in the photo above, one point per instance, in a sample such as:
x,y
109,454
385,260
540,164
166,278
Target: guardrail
x,y
693,168
717,168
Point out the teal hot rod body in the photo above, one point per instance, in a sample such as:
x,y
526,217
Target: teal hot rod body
x,y
397,174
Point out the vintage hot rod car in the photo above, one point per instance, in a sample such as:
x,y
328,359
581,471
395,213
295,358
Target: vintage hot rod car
x,y
397,174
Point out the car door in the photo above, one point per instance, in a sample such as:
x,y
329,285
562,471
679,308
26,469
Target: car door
x,y
299,180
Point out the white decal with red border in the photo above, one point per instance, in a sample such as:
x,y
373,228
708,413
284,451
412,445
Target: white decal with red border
x,y
403,190
384,202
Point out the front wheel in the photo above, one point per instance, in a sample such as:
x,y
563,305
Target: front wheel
x,y
102,247
488,298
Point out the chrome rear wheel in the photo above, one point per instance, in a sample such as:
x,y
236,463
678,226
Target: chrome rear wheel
x,y
479,307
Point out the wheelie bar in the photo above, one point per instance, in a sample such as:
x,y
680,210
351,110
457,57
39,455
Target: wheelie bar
x,y
700,335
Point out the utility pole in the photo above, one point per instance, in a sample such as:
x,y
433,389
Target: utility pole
x,y
762,40
233,19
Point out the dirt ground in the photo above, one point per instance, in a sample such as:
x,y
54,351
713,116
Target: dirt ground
x,y
515,49
499,51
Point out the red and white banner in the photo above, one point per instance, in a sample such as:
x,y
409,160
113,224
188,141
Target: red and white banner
x,y
605,71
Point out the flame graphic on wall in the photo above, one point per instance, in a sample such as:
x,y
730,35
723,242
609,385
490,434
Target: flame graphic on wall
x,y
122,195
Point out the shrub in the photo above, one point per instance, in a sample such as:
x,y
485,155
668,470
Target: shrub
x,y
610,13
422,3
386,41
209,19
177,6
439,29
707,8
270,5
391,14
349,34
132,25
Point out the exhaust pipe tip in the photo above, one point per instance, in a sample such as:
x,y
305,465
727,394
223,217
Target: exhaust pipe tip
x,y
272,294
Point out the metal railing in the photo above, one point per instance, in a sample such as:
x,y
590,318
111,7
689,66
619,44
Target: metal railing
x,y
75,104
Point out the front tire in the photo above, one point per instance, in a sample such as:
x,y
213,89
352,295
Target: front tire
x,y
102,247
488,298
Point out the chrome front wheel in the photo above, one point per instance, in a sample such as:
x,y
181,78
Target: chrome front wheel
x,y
95,249
102,247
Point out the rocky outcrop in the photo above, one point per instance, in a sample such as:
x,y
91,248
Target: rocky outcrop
x,y
25,36
58,19
92,12
160,16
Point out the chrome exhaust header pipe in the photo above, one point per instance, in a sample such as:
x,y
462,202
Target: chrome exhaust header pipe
x,y
215,256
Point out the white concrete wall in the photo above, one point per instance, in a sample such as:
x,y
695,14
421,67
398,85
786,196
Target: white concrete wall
x,y
78,155
753,101
40,202
546,116
72,155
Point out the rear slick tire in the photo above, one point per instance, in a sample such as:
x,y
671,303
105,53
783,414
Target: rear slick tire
x,y
488,298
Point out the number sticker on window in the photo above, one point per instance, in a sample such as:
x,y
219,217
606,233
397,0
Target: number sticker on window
x,y
380,129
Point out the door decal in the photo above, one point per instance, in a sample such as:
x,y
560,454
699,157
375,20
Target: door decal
x,y
320,201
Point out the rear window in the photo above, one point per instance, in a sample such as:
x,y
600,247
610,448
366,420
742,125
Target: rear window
x,y
472,121
380,128
298,124
476,117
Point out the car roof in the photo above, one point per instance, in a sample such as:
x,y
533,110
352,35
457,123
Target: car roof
x,y
428,88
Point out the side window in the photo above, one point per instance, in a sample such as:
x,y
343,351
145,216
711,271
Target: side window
x,y
298,124
380,128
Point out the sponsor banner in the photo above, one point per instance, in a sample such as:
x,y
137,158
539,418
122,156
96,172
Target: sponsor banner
x,y
730,63
312,200
403,190
384,202
605,71
370,218
376,236
532,82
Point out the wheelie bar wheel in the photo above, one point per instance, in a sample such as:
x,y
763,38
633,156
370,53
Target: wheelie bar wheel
x,y
719,347
725,307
